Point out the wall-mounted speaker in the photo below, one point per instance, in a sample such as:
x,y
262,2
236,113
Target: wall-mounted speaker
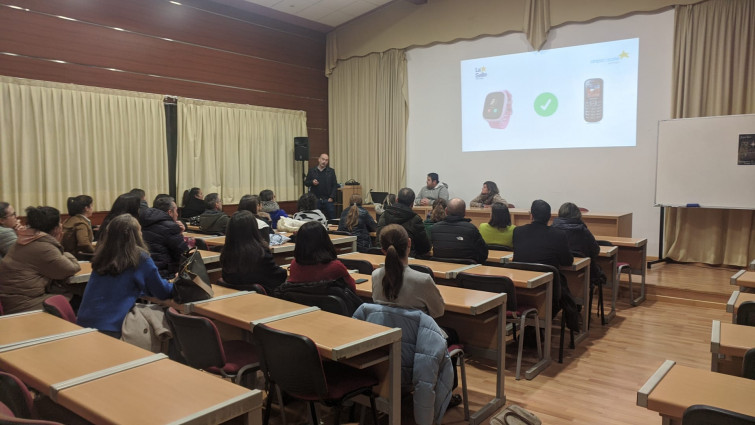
x,y
301,148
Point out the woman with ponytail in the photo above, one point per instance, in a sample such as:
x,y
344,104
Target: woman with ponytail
x,y
77,229
397,284
357,221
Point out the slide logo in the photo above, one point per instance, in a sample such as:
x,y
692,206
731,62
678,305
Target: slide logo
x,y
480,73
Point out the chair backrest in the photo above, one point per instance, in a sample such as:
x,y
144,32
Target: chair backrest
x,y
746,313
700,414
748,364
604,243
421,268
198,340
334,221
362,266
5,420
498,247
376,250
340,232
333,296
15,395
495,284
58,305
543,268
1,309
291,361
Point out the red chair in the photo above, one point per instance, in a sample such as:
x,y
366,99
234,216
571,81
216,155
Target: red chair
x,y
58,305
291,362
199,342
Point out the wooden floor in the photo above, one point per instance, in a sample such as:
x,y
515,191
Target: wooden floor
x,y
598,381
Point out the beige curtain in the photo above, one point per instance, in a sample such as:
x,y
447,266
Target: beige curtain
x,y
368,115
714,64
60,140
236,150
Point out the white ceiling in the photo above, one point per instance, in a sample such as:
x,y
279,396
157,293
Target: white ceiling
x,y
327,12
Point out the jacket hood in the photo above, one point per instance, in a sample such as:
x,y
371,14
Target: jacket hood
x,y
269,206
149,216
456,219
399,213
210,217
74,221
568,223
29,235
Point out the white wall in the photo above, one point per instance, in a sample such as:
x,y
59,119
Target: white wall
x,y
618,179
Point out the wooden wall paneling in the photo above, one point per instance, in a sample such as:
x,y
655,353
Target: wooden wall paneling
x,y
14,66
55,38
239,32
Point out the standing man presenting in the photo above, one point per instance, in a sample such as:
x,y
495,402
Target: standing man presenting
x,y
321,181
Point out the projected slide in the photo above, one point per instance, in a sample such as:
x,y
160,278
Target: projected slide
x,y
580,96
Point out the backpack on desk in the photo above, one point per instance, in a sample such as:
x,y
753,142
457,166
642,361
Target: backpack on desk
x,y
515,415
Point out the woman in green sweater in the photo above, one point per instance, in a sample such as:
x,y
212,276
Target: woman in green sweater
x,y
498,230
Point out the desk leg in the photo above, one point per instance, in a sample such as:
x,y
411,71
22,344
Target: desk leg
x,y
585,308
546,360
644,269
394,413
614,286
500,399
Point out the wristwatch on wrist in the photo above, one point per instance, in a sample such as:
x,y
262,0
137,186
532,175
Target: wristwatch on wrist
x,y
497,110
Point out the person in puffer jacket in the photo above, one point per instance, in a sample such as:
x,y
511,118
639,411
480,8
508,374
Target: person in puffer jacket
x,y
163,236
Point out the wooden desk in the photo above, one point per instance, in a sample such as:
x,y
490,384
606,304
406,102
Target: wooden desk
x,y
354,342
607,260
728,345
673,388
529,284
743,279
499,257
736,299
442,270
162,392
609,224
632,251
247,310
21,327
578,272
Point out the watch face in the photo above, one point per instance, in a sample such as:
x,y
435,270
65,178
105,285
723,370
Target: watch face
x,y
494,105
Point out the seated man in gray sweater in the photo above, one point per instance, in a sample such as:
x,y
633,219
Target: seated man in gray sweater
x,y
432,191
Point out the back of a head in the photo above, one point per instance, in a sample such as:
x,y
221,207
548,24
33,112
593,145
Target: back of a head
x,y
267,195
352,218
121,246
395,242
356,199
313,245
457,207
140,193
188,194
439,210
77,204
127,203
500,217
570,210
307,202
390,200
44,219
163,203
211,201
249,203
162,195
405,197
541,211
243,243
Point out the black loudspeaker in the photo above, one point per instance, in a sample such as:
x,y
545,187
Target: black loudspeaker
x,y
301,148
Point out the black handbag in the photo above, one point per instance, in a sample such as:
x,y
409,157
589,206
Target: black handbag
x,y
192,283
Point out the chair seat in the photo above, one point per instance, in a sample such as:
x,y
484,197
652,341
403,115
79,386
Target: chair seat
x,y
520,310
237,354
342,380
622,265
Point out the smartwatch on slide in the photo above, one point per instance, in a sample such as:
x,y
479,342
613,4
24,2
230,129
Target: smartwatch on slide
x,y
497,110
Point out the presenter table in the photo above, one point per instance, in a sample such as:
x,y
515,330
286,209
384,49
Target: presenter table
x,y
465,307
728,345
736,299
673,388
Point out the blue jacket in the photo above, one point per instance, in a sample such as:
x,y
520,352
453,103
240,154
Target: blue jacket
x,y
424,358
107,299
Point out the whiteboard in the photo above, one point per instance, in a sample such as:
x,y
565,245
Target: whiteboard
x,y
698,163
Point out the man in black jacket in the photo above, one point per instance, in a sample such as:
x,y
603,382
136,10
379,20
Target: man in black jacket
x,y
456,237
163,236
401,213
321,181
539,243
